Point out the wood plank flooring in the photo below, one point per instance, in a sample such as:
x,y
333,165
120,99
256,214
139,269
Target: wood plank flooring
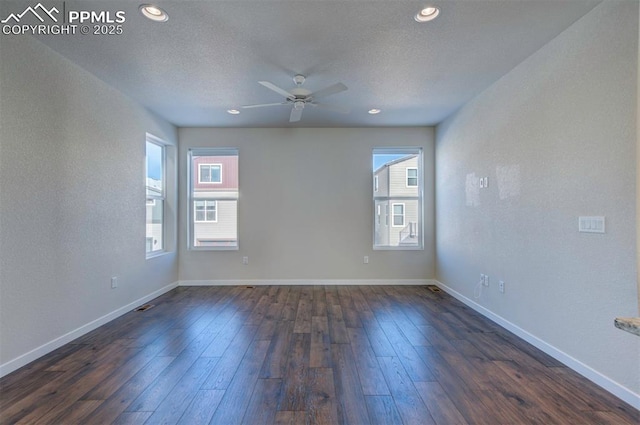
x,y
304,355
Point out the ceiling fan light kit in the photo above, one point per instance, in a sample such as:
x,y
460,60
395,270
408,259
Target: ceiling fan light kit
x,y
299,97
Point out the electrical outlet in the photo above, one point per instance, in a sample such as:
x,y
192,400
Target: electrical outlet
x,y
486,280
114,282
245,260
366,259
501,286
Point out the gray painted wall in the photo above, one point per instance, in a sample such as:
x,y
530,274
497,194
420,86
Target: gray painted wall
x,y
638,173
305,208
557,137
72,198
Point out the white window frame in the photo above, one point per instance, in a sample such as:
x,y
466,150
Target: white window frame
x,y
209,165
394,215
407,177
152,199
389,199
195,211
191,183
375,183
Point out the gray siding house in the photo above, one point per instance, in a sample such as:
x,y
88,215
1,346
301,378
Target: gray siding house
x,y
396,195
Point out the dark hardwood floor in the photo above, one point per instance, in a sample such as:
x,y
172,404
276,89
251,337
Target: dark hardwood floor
x,y
304,355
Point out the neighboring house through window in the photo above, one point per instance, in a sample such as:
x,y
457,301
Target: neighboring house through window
x,y
213,198
397,193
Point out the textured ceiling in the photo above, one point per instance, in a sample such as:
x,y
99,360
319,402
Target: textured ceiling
x,y
211,54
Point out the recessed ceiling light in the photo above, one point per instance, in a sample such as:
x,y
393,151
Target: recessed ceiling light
x,y
427,14
154,13
375,111
233,111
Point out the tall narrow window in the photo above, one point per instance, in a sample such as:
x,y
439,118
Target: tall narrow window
x,y
397,176
213,198
155,204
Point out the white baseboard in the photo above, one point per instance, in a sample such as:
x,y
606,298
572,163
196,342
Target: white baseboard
x,y
593,375
36,353
303,282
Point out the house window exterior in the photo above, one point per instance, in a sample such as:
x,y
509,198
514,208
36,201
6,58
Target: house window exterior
x,y
210,173
412,177
206,211
213,199
398,215
398,195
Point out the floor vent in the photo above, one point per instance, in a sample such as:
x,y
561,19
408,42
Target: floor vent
x,y
249,287
433,288
144,307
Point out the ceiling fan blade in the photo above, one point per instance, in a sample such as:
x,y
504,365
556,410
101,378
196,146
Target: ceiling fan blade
x,y
335,108
333,89
296,114
277,89
265,104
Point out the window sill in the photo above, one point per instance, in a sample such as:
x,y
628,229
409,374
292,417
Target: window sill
x,y
216,248
398,248
628,324
157,254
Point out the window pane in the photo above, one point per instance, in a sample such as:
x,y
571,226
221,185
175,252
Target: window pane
x,y
205,173
399,197
211,211
215,217
155,188
155,169
155,212
217,226
215,174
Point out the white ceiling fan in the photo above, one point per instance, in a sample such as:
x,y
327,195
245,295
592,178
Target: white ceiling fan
x,y
299,98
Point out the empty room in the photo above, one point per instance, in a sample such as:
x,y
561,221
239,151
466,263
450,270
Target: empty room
x,y
319,212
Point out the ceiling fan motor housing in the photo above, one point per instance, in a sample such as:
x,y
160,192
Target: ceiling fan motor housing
x,y
299,97
299,93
